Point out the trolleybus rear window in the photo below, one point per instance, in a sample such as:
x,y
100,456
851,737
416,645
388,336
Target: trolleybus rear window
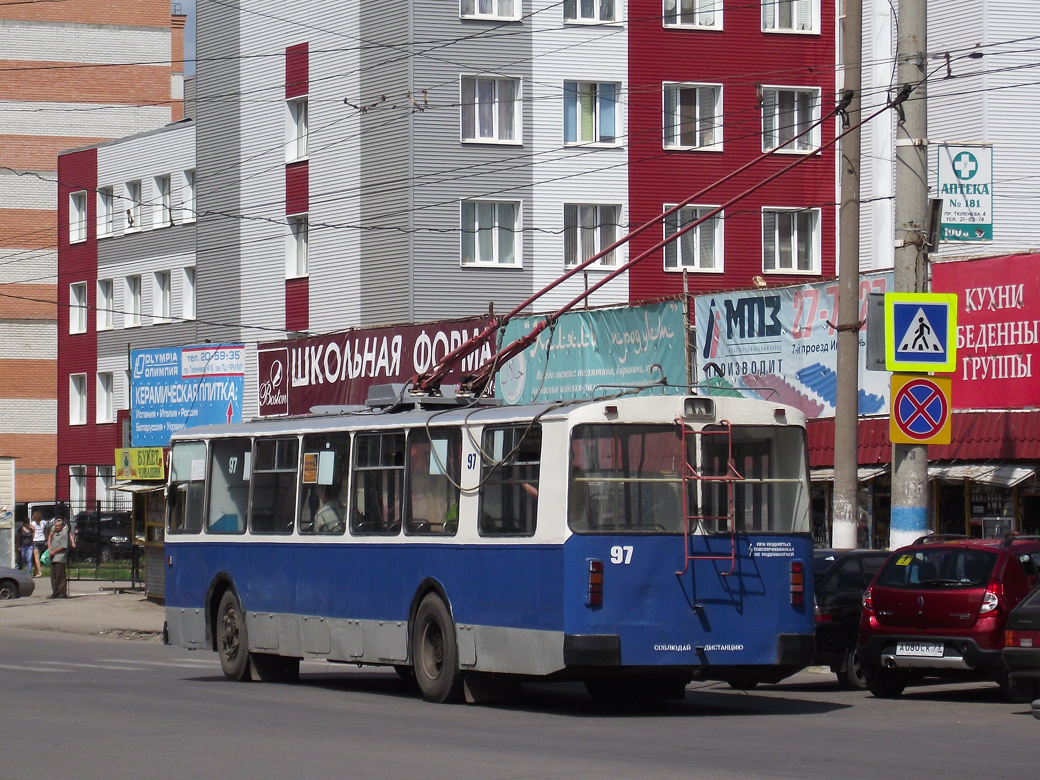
x,y
185,501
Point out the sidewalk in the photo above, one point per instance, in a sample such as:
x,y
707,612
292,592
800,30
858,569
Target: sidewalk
x,y
94,607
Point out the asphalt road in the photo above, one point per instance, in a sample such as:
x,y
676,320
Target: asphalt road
x,y
99,707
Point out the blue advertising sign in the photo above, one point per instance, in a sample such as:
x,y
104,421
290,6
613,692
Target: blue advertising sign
x,y
597,352
183,387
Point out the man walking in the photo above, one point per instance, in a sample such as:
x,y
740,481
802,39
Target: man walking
x,y
59,549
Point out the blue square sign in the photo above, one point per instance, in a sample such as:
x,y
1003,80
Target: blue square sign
x,y
920,332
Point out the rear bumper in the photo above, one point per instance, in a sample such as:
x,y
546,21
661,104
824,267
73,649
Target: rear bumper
x,y
959,653
1022,662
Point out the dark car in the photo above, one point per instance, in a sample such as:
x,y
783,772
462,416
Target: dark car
x,y
101,536
15,584
938,608
1022,646
839,602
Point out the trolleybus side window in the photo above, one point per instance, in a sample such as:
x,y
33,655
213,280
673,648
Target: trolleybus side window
x,y
433,481
770,493
186,499
323,483
378,484
509,475
626,479
272,509
230,467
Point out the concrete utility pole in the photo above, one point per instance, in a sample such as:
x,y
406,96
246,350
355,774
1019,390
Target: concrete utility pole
x,y
910,461
846,411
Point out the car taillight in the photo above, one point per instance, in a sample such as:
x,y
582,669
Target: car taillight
x,y
868,601
797,583
991,600
1021,638
821,614
595,596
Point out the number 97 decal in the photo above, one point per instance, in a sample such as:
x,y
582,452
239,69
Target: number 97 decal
x,y
622,555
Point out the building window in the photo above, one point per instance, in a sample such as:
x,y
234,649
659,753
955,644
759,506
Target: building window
x,y
188,197
162,209
490,234
296,254
133,206
698,249
789,15
296,149
188,295
105,400
127,385
693,13
589,112
787,113
587,230
791,240
104,481
106,212
161,297
77,217
78,307
77,488
693,116
77,399
588,11
132,302
105,304
488,9
489,108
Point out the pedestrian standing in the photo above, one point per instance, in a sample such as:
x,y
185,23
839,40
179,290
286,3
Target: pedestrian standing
x,y
25,546
39,539
58,544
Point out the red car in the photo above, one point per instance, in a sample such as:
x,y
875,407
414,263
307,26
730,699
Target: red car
x,y
938,609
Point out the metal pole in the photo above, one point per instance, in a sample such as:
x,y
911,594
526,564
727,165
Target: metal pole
x,y
910,461
846,412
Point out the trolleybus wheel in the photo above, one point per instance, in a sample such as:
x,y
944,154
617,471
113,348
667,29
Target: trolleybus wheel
x,y
435,653
232,639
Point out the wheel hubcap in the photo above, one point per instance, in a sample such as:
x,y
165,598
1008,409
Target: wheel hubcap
x,y
229,635
432,651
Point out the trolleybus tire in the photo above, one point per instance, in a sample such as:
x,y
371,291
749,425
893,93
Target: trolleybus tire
x,y
435,652
265,667
232,638
851,676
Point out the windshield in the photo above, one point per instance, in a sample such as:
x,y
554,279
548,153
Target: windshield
x,y
938,567
630,479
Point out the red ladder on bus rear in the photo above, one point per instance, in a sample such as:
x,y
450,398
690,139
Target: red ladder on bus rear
x,y
692,477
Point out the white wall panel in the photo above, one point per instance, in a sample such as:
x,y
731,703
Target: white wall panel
x,y
80,120
36,266
29,416
24,339
85,43
32,190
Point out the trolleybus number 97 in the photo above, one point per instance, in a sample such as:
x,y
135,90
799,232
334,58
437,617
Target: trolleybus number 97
x,y
619,554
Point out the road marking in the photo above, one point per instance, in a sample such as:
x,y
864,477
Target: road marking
x,y
15,668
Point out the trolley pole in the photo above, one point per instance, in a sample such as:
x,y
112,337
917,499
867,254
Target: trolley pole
x,y
909,518
846,411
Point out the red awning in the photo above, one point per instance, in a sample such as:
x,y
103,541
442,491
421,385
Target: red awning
x,y
976,436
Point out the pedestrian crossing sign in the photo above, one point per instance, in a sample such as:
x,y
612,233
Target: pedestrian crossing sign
x,y
921,332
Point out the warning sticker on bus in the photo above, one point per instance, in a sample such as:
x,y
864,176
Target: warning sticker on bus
x,y
771,550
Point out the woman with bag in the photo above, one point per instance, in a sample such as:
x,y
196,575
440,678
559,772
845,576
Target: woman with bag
x,y
39,539
25,546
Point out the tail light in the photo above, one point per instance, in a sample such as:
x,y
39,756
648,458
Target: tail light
x,y
991,600
797,583
868,601
595,596
1021,638
821,614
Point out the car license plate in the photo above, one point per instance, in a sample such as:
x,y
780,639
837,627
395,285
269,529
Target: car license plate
x,y
927,649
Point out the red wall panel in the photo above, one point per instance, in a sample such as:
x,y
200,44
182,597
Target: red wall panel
x,y
297,197
297,70
297,303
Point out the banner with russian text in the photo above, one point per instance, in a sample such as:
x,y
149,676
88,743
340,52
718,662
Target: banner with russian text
x,y
998,318
173,388
337,369
596,352
780,345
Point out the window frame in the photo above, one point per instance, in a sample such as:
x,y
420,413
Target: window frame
x,y
718,223
340,444
297,242
814,14
672,124
815,247
132,315
431,483
183,486
162,207
278,467
813,139
189,199
496,15
77,399
393,522
188,293
106,212
464,230
496,110
132,223
78,307
715,9
106,304
297,128
104,401
575,17
78,217
212,471
616,257
572,104
162,297
489,468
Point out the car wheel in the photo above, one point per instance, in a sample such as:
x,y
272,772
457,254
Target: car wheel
x,y
232,638
851,676
1015,691
105,556
885,683
8,590
435,653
